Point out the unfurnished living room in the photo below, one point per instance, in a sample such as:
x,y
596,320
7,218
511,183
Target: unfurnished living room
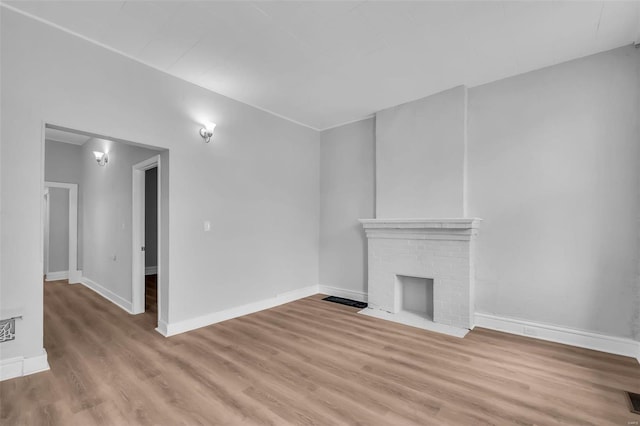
x,y
320,212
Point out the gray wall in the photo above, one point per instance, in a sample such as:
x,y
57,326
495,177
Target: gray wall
x,y
257,181
107,218
554,171
420,149
58,230
62,164
151,217
347,157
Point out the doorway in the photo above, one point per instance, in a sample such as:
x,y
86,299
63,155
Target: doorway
x,y
61,232
146,243
151,241
107,212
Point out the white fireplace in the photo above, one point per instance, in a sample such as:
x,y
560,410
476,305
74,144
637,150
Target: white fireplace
x,y
403,253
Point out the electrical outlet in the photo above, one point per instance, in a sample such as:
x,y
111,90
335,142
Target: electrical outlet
x,y
530,331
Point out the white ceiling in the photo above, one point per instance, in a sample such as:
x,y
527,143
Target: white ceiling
x,y
326,63
66,137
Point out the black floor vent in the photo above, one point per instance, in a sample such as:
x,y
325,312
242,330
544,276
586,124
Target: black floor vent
x,y
347,302
634,402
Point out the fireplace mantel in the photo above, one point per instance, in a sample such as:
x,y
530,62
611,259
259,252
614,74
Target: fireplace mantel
x,y
441,249
459,223
447,228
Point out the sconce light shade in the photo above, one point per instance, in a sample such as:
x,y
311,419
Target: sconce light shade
x,y
101,157
207,131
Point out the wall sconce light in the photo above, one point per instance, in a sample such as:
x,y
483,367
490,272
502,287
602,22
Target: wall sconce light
x,y
207,131
101,157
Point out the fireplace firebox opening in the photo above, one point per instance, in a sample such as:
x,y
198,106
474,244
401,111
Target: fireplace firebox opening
x,y
415,295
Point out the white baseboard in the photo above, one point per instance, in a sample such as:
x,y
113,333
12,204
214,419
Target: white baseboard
x,y
107,294
162,328
150,270
75,277
583,339
58,275
568,336
360,296
171,329
21,366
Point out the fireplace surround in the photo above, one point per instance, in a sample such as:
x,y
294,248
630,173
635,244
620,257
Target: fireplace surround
x,y
439,249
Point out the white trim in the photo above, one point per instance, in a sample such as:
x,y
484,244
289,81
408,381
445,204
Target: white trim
x,y
45,226
107,294
568,336
162,328
171,329
21,366
138,222
58,275
73,225
451,229
360,296
150,270
42,199
11,368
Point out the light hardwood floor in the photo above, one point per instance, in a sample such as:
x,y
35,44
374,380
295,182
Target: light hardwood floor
x,y
306,362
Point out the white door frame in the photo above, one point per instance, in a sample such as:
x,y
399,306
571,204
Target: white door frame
x,y
74,274
45,227
137,228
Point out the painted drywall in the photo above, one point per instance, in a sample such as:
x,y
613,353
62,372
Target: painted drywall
x,y
58,230
163,244
257,181
420,150
62,163
151,217
553,171
347,157
107,213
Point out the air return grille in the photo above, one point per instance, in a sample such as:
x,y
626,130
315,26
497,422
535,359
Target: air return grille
x,y
347,302
7,329
634,402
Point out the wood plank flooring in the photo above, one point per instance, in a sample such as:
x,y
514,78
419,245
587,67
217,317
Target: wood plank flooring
x,y
307,362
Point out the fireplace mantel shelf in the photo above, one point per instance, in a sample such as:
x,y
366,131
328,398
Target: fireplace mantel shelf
x,y
421,223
